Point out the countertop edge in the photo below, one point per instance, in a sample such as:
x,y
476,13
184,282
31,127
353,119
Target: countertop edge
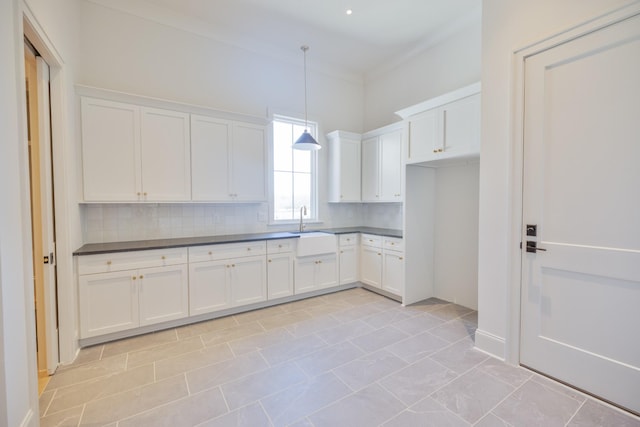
x,y
181,242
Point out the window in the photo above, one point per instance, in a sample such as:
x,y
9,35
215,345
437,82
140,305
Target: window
x,y
294,172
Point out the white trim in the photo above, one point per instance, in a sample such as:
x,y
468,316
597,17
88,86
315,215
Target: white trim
x,y
446,98
64,196
517,157
490,344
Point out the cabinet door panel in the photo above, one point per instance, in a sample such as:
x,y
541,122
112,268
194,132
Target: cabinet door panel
x,y
461,125
423,136
370,159
280,276
371,266
305,270
164,294
166,155
391,166
393,272
248,277
110,150
209,288
349,265
350,171
327,271
108,303
248,163
210,140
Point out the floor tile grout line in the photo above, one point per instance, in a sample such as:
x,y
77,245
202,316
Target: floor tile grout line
x,y
575,412
490,411
535,376
84,408
45,413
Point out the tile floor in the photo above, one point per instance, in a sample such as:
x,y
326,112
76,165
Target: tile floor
x,y
351,358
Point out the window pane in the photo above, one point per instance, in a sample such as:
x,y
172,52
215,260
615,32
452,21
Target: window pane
x,y
301,161
283,195
301,192
282,146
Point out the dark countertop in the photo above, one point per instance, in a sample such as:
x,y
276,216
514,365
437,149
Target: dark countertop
x,y
142,245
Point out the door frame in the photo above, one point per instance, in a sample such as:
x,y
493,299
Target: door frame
x,y
512,347
62,137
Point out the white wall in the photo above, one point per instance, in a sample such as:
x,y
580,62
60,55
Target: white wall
x,y
451,64
506,27
456,234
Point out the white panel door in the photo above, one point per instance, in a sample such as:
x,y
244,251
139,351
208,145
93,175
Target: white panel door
x,y
248,278
371,266
210,141
461,126
209,288
349,170
327,271
305,275
108,303
163,294
581,295
248,163
391,167
279,275
110,150
166,155
393,272
370,170
423,136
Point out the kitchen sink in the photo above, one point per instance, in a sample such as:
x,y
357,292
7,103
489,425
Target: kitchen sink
x,y
315,243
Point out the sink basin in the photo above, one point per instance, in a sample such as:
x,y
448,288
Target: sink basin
x,y
315,243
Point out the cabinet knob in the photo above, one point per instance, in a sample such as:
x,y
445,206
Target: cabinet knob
x,y
269,260
210,253
248,249
341,252
108,262
134,278
145,194
435,151
141,277
164,257
279,246
139,194
379,253
233,265
400,258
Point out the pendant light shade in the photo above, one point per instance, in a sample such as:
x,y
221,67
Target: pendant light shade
x,y
306,141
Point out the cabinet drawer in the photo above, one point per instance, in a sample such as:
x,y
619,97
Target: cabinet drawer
x,y
280,246
227,251
371,240
393,244
120,261
348,239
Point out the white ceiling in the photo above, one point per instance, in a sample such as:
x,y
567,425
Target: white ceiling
x,y
378,34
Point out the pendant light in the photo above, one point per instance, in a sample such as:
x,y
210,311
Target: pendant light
x,y
306,141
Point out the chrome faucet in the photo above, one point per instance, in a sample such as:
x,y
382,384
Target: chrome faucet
x,y
303,211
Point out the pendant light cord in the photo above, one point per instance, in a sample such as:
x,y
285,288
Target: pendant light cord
x,y
305,48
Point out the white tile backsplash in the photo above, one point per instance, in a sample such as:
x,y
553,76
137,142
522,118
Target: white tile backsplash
x,y
125,222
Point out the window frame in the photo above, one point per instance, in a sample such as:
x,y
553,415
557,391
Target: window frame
x,y
313,210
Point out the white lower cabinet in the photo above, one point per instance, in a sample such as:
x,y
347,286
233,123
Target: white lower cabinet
x,y
349,259
280,261
393,272
163,294
315,272
226,275
371,260
382,263
115,297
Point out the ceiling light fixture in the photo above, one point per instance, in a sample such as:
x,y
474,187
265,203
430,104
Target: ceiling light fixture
x,y
306,141
349,11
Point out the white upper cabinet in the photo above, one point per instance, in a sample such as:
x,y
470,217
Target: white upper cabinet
x,y
165,155
228,160
110,150
133,153
382,165
344,167
445,128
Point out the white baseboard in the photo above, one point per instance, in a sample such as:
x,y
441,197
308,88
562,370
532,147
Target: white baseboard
x,y
490,344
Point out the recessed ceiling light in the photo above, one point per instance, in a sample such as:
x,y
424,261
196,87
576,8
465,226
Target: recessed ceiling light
x,y
349,11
